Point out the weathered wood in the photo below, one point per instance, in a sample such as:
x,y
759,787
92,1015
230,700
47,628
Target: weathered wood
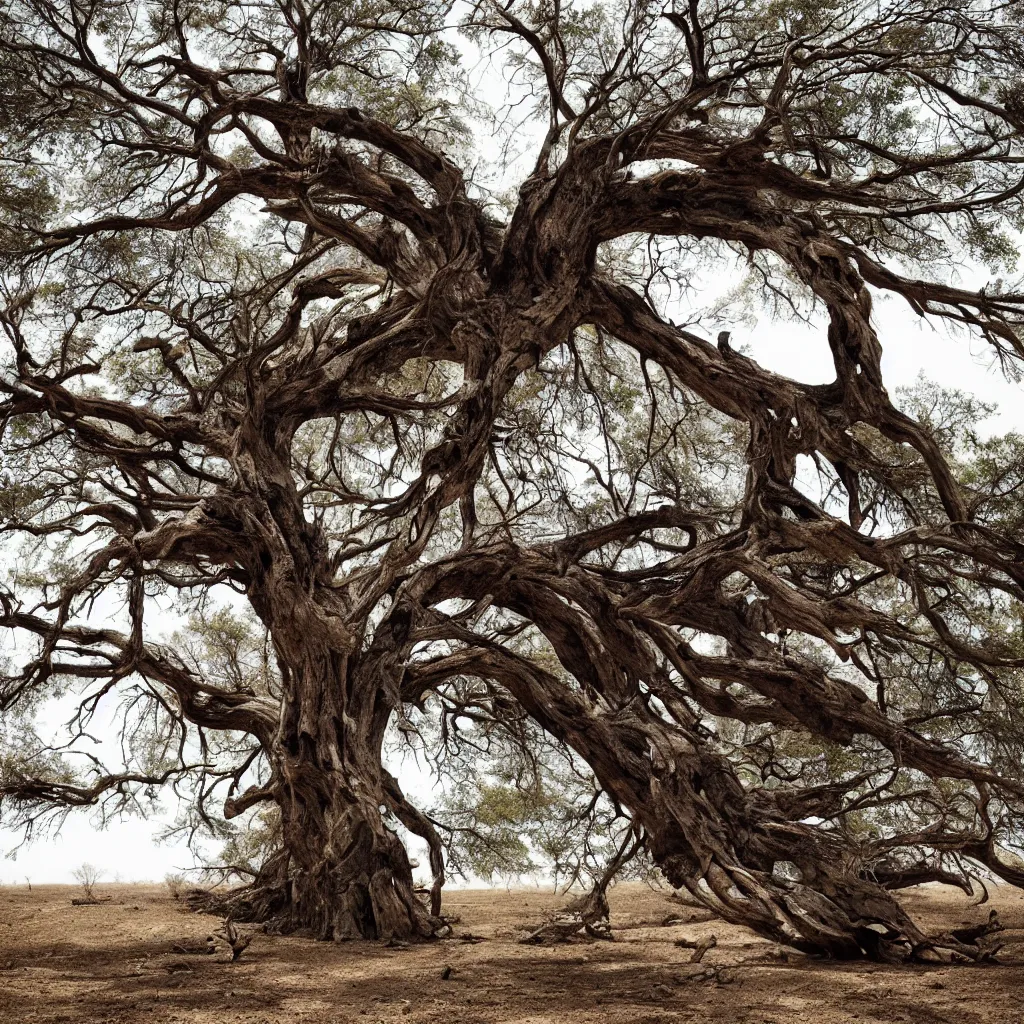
x,y
699,946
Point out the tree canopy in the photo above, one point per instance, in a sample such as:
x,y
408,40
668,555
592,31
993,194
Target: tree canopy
x,y
403,444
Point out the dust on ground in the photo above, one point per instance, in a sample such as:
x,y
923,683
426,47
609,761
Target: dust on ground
x,y
116,963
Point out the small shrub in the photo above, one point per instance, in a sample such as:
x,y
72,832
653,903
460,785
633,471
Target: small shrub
x,y
87,876
175,885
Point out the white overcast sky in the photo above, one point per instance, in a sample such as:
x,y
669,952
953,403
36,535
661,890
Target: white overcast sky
x,y
127,850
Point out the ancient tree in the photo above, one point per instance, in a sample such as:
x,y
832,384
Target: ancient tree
x,y
281,334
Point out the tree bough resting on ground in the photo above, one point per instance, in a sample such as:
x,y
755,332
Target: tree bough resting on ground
x,y
277,336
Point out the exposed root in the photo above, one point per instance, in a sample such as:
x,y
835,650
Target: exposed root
x,y
722,974
588,914
846,919
975,943
237,941
193,948
270,904
585,915
974,933
699,947
254,904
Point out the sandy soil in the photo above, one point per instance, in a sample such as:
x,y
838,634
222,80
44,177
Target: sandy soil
x,y
116,963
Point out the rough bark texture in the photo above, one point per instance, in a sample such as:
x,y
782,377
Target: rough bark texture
x,y
346,873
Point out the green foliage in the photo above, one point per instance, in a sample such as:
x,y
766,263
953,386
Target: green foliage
x,y
231,647
508,816
248,843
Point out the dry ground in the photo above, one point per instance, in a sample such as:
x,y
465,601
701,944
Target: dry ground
x,y
115,963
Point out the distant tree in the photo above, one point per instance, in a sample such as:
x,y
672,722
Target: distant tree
x,y
287,359
87,876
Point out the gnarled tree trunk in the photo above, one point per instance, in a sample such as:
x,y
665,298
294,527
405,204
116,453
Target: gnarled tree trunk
x,y
349,874
710,836
342,872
